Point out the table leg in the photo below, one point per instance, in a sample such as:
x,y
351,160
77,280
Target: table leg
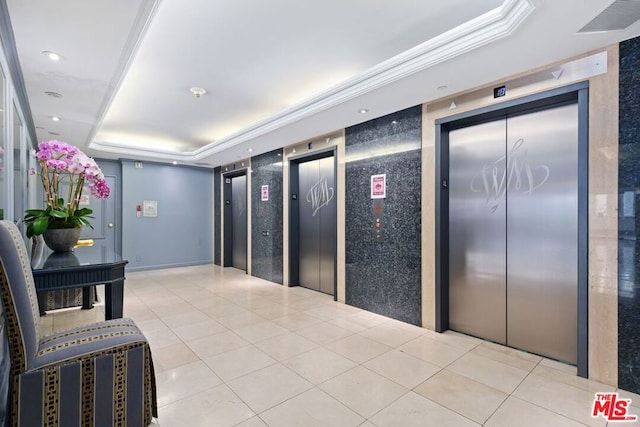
x,y
114,295
87,304
41,303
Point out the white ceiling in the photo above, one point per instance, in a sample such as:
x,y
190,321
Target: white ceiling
x,y
276,72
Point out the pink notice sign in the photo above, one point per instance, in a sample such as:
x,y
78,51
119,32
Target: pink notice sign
x,y
379,186
265,193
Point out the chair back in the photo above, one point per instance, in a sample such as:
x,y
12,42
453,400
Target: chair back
x,y
18,295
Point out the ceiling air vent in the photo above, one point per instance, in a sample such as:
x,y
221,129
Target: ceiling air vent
x,y
618,16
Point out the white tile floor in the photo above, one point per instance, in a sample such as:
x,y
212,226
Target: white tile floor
x,y
230,349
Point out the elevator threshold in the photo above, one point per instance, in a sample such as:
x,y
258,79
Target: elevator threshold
x,y
564,362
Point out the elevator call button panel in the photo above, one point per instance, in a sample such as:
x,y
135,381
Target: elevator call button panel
x,y
378,228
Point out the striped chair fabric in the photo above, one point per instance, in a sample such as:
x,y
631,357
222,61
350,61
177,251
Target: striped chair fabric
x,y
99,374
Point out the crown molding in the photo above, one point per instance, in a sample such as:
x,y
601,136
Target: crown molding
x,y
10,53
487,28
143,19
483,30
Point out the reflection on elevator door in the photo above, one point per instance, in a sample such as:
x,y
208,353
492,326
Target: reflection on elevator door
x,y
317,224
239,222
513,234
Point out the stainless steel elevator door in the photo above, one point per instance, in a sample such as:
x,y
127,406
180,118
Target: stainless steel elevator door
x,y
239,218
477,234
317,224
542,232
513,233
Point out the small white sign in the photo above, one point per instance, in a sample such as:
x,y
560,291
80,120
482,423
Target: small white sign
x,y
265,193
150,208
379,186
84,198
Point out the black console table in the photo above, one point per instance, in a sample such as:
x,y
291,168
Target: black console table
x,y
82,268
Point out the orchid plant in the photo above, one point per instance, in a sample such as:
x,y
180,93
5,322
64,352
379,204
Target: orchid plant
x,y
64,169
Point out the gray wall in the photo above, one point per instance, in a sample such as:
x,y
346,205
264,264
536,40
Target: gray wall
x,y
181,233
266,217
383,276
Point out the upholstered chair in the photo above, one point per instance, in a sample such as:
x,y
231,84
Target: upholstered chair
x,y
100,374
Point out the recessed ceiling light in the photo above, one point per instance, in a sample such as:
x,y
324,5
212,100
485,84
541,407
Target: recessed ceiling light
x,y
442,87
394,122
54,118
363,111
174,162
37,127
250,150
54,133
54,94
52,55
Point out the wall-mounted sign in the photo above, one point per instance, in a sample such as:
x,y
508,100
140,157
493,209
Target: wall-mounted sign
x,y
85,198
379,186
150,208
265,193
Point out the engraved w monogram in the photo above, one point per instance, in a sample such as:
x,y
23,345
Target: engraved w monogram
x,y
513,171
319,195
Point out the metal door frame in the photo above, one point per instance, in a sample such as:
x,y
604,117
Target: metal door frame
x,y
227,244
576,92
294,216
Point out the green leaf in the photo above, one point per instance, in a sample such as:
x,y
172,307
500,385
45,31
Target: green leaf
x,y
40,225
58,214
61,202
35,212
30,230
83,212
84,222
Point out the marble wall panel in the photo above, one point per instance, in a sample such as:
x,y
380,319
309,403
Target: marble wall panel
x,y
629,218
383,273
266,216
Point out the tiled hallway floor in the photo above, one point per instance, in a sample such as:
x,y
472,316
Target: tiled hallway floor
x,y
230,349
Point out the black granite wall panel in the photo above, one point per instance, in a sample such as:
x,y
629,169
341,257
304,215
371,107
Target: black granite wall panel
x,y
629,218
266,217
217,226
383,275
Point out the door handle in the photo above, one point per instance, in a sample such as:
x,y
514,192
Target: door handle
x,y
110,225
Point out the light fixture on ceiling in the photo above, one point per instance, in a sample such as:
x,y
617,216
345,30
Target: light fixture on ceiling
x,y
250,150
52,55
197,91
53,94
394,122
55,118
174,162
363,111
442,87
54,133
